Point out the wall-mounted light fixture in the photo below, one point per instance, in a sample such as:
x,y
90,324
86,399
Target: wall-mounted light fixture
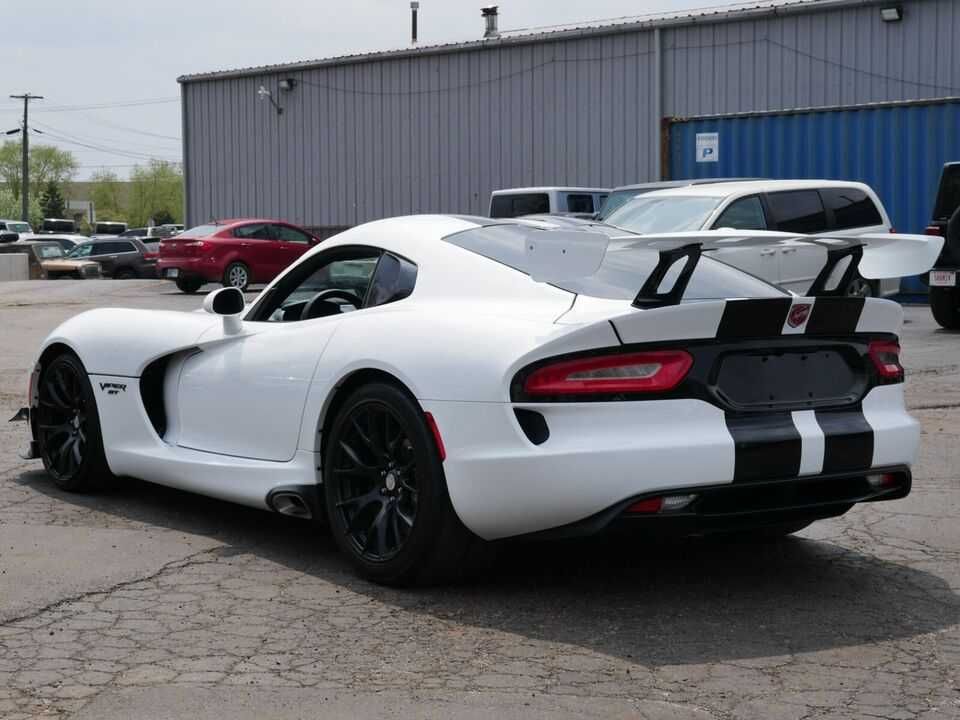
x,y
267,95
893,13
288,84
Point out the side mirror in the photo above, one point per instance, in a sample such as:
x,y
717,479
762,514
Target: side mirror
x,y
229,303
8,237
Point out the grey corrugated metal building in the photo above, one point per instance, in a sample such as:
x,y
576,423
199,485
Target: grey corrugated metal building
x,y
435,129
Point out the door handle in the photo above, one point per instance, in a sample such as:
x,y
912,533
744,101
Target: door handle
x,y
788,250
765,253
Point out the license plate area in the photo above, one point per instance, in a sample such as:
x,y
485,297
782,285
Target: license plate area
x,y
171,272
790,379
943,278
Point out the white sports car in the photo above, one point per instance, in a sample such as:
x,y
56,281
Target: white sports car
x,y
428,383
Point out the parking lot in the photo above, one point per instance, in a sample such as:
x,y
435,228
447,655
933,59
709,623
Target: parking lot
x,y
151,603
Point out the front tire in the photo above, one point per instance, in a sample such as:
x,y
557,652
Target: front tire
x,y
67,426
189,285
945,306
237,275
386,495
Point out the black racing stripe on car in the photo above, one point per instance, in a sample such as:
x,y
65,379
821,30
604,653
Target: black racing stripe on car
x,y
848,439
767,446
835,316
753,318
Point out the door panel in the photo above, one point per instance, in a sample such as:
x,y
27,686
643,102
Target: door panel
x,y
760,261
799,266
244,395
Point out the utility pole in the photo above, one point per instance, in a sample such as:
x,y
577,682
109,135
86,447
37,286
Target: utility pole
x,y
25,147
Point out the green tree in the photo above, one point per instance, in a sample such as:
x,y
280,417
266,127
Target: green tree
x,y
105,195
51,201
47,164
10,207
155,190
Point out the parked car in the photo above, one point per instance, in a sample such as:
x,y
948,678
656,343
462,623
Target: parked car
x,y
155,233
108,227
514,202
120,259
815,207
65,241
21,228
623,194
48,262
233,252
944,293
58,225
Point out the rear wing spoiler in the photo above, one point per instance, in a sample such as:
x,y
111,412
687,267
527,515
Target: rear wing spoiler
x,y
569,254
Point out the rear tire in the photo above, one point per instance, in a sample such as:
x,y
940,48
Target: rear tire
x,y
237,275
945,306
67,426
860,287
386,495
189,285
124,273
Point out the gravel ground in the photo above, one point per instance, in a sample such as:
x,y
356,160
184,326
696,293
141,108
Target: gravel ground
x,y
151,603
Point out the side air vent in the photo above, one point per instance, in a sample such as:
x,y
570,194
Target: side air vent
x,y
534,425
151,392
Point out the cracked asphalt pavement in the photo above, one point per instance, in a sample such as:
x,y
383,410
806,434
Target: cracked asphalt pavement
x,y
151,603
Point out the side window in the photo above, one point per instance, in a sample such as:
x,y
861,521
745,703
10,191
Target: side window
x,y
338,284
579,203
82,251
851,208
393,281
507,206
743,214
799,211
289,234
256,231
120,247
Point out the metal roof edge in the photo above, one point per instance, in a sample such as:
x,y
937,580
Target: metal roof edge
x,y
818,109
773,8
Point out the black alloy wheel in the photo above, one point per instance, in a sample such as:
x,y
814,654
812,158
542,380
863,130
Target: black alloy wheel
x,y
67,427
375,474
386,495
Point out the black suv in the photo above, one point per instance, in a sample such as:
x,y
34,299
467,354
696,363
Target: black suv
x,y
121,259
944,293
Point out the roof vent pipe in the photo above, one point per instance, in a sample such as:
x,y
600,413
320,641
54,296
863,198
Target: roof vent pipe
x,y
414,8
490,15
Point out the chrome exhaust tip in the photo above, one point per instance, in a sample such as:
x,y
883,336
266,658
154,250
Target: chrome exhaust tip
x,y
292,501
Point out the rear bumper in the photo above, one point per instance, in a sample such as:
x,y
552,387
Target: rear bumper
x,y
204,268
744,506
601,454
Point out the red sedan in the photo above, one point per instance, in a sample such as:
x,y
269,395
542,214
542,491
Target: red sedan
x,y
232,252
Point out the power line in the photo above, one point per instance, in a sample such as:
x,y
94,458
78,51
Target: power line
x,y
96,144
126,128
108,105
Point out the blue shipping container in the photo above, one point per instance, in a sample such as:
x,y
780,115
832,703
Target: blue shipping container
x,y
897,149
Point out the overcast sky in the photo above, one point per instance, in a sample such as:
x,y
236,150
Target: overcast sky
x,y
108,68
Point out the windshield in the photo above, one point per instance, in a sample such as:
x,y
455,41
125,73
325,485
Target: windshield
x,y
201,231
617,199
652,214
49,252
18,227
625,266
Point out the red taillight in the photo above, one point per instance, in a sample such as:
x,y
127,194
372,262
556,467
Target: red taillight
x,y
655,371
650,505
932,230
436,436
885,355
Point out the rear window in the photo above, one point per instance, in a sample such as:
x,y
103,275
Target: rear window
x,y
623,271
617,199
200,231
851,207
509,206
798,211
49,252
948,197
